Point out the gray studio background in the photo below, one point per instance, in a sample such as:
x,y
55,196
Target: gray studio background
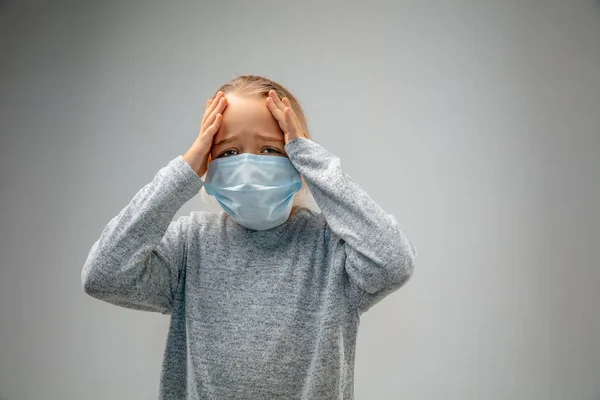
x,y
476,123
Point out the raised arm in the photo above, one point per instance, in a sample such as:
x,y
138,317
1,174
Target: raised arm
x,y
138,259
379,258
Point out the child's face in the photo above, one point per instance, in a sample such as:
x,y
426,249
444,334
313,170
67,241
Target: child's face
x,y
248,127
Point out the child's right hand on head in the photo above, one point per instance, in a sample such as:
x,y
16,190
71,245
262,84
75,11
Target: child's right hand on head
x,y
197,155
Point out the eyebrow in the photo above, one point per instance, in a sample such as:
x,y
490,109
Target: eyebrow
x,y
256,136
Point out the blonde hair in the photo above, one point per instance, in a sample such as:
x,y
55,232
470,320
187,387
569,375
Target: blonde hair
x,y
259,86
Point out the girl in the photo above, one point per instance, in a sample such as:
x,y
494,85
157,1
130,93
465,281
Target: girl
x,y
265,297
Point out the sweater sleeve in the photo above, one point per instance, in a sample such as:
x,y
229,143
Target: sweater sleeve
x,y
138,259
379,258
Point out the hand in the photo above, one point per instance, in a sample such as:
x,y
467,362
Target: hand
x,y
197,156
284,114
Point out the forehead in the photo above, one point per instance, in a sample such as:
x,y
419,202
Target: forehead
x,y
247,113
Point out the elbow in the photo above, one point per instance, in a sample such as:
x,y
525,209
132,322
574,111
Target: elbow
x,y
91,282
410,259
409,256
89,285
393,274
405,270
404,266
403,256
91,279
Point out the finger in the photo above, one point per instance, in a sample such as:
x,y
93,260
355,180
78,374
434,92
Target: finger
x,y
212,129
293,118
289,119
276,99
288,105
210,105
206,114
220,107
277,113
214,103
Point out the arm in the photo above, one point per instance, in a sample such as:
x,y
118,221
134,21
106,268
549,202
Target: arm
x,y
379,258
138,259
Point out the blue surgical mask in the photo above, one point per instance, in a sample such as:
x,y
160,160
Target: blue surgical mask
x,y
256,190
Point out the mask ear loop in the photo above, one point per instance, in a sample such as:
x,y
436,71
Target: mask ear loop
x,y
208,160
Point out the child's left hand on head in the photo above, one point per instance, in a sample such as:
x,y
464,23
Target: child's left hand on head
x,y
284,114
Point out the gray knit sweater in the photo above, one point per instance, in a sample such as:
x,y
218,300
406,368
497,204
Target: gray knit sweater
x,y
254,314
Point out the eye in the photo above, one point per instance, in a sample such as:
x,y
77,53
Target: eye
x,y
227,153
271,150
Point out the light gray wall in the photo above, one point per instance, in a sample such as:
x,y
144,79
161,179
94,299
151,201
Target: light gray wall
x,y
476,123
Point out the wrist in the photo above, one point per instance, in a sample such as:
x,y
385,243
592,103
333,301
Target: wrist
x,y
196,157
